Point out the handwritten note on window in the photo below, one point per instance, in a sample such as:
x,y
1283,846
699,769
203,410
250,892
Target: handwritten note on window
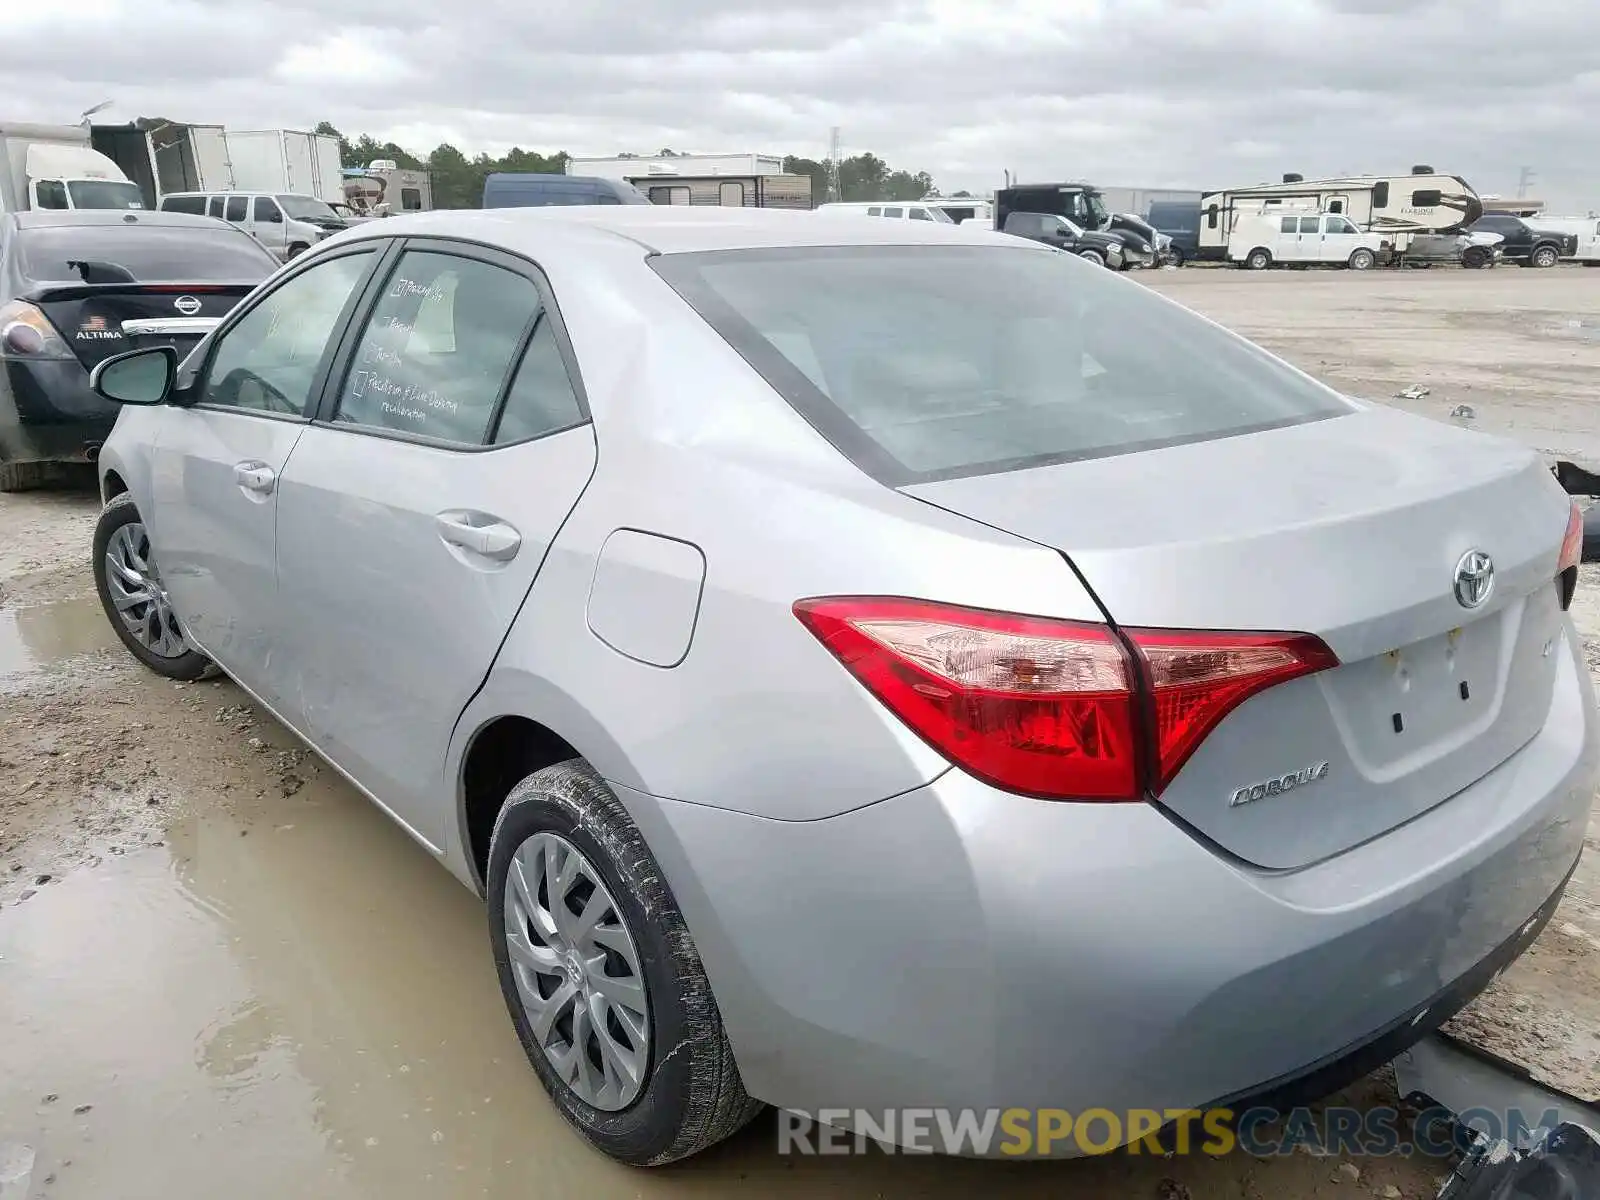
x,y
437,349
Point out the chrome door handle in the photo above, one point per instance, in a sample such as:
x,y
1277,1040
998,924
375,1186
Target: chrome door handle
x,y
487,536
255,477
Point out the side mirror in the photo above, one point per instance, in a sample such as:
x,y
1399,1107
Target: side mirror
x,y
138,377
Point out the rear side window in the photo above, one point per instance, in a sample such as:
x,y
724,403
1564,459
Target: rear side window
x,y
185,204
438,347
1288,224
542,398
148,253
931,362
894,212
238,207
214,209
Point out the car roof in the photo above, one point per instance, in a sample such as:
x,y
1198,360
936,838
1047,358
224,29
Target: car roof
x,y
57,218
683,229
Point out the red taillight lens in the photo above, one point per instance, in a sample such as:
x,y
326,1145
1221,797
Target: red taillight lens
x,y
1196,679
1026,703
1052,708
25,332
1571,556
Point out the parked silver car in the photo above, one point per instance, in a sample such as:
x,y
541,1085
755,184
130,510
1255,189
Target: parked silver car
x,y
868,664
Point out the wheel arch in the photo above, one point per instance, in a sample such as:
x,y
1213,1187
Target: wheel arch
x,y
518,725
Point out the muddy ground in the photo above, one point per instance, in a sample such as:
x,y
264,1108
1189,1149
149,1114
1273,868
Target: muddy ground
x,y
222,972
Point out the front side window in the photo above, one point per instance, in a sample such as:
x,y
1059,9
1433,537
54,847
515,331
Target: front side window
x,y
437,348
50,193
238,208
920,214
1341,225
268,362
929,362
267,210
105,193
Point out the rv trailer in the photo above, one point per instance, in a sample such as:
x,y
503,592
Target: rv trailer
x,y
1396,207
712,180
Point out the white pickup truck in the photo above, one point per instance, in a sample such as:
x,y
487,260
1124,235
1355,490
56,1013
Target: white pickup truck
x,y
54,167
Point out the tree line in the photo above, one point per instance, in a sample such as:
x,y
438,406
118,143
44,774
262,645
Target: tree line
x,y
458,180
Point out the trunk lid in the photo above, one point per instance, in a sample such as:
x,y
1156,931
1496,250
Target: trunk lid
x,y
1352,529
102,320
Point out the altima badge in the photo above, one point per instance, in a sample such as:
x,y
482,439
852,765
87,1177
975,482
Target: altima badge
x,y
1280,785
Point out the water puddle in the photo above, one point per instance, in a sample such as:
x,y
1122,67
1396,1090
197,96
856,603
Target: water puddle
x,y
292,999
36,635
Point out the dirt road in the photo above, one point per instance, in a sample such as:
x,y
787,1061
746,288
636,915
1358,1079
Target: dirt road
x,y
223,972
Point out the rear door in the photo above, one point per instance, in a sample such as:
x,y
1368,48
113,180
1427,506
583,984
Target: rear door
x,y
417,510
212,512
1292,245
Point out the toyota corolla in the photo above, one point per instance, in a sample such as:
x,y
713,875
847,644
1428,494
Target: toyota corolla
x,y
867,665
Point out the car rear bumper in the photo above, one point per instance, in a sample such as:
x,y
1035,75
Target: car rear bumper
x,y
957,947
48,413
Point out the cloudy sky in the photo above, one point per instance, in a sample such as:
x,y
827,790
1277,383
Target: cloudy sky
x,y
1124,92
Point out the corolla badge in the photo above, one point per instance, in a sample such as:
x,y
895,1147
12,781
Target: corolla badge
x,y
187,305
1474,579
1315,773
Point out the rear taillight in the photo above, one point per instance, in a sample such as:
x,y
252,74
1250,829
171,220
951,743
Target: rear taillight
x,y
1051,708
1571,556
25,332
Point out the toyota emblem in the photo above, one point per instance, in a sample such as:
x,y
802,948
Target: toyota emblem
x,y
1474,579
187,305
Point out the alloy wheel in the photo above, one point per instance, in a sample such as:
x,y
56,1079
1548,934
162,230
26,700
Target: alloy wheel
x,y
577,972
138,594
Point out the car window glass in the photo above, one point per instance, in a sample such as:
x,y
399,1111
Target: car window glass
x,y
268,361
216,206
1309,224
894,212
185,204
1286,225
542,399
266,209
52,193
437,348
920,214
875,210
238,206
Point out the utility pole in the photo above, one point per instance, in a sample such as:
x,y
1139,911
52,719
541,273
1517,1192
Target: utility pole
x,y
835,185
1523,181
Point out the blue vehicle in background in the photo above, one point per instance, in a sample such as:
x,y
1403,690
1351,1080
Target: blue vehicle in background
x,y
1180,221
503,190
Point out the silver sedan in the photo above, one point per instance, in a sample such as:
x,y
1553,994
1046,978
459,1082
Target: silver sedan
x,y
867,665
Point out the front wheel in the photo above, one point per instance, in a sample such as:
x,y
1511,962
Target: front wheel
x,y
134,598
1178,257
604,984
1258,259
295,251
1545,257
1476,258
1362,259
1093,256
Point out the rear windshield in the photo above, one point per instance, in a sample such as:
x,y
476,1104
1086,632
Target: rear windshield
x,y
931,362
148,253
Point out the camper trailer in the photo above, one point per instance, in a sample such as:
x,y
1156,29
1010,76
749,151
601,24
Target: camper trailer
x,y
1394,207
54,166
713,180
383,188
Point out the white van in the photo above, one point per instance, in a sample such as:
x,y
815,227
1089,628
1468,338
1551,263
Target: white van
x,y
285,223
1259,242
895,210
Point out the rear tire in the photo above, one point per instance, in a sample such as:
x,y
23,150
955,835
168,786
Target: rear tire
x,y
120,524
1258,259
1361,259
1544,257
1476,258
690,1095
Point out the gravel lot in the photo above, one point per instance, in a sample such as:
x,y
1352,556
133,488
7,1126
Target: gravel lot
x,y
223,972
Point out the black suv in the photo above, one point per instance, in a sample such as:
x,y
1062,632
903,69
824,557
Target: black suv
x,y
1061,233
1525,245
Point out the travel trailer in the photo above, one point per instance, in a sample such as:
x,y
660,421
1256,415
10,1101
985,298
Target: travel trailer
x,y
54,166
383,188
713,180
1395,207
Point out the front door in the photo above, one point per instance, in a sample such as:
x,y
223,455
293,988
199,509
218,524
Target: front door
x,y
268,225
1339,238
217,465
415,513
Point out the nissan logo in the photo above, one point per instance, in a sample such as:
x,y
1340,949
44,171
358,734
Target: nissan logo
x,y
1474,579
187,305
